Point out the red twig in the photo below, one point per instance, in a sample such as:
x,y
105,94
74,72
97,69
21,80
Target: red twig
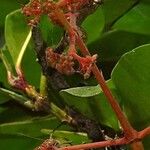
x,y
121,141
144,133
131,136
129,131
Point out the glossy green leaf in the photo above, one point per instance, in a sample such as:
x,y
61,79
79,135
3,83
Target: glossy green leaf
x,y
15,35
91,102
16,32
26,134
137,20
131,77
3,97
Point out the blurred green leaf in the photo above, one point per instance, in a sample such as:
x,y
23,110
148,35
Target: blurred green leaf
x,y
50,32
3,81
114,10
13,112
137,20
7,6
28,130
3,98
3,74
16,142
113,44
91,102
96,19
131,77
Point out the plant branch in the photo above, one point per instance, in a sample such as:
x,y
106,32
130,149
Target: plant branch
x,y
76,117
129,131
137,145
120,141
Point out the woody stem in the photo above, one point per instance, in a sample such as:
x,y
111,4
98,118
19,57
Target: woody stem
x,y
129,131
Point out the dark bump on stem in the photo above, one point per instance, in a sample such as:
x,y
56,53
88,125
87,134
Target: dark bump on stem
x,y
83,124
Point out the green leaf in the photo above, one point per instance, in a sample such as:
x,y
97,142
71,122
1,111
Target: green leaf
x,y
96,19
91,102
137,20
3,98
113,44
3,73
24,127
26,134
16,142
13,112
131,77
20,99
51,33
31,68
3,80
7,6
113,10
16,32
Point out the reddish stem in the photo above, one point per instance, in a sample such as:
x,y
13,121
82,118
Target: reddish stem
x,y
137,145
130,133
120,141
144,133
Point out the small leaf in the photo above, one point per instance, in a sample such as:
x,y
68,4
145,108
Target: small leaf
x,y
3,82
16,142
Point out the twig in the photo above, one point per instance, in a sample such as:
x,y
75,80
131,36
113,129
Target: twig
x,y
137,145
